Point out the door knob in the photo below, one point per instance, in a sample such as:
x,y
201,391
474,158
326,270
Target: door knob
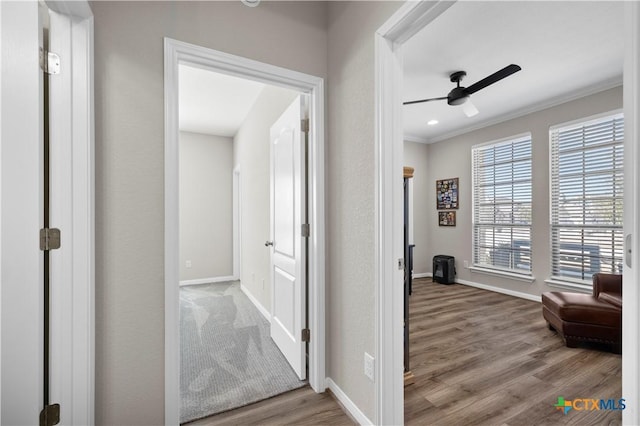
x,y
268,243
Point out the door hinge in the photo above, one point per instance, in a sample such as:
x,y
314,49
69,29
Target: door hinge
x,y
306,335
306,230
400,264
50,415
49,239
49,62
304,125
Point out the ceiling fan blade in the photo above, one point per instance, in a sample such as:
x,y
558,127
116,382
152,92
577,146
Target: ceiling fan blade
x,y
424,100
469,108
493,78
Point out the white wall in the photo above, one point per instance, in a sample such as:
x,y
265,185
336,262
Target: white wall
x,y
130,170
457,241
251,155
350,171
206,210
415,155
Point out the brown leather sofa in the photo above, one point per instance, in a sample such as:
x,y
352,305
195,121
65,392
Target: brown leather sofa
x,y
594,318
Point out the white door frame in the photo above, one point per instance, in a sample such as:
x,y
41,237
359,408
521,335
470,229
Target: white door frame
x,y
631,275
406,22
237,224
177,52
72,210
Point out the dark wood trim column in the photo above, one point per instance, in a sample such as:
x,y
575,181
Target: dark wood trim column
x,y
408,375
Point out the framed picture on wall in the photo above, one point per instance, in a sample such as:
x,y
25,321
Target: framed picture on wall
x,y
447,194
447,218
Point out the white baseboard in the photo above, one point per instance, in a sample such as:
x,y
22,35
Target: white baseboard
x,y
352,408
208,280
265,313
422,275
514,293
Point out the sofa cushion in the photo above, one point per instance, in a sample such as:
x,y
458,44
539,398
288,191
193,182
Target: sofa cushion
x,y
582,308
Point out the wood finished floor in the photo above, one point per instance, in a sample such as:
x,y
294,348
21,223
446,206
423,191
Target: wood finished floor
x,y
484,358
479,358
299,407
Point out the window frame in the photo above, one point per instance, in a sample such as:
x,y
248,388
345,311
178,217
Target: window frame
x,y
564,281
510,273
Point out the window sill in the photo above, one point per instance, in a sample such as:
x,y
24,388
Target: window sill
x,y
504,274
566,285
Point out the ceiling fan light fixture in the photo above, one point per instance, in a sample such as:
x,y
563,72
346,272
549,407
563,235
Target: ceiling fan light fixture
x,y
250,3
469,109
460,95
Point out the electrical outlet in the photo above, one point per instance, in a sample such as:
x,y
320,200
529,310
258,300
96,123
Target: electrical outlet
x,y
466,263
187,264
369,366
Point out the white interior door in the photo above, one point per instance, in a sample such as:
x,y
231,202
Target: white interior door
x,y
288,249
21,214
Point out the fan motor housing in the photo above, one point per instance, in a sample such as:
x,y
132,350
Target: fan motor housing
x,y
457,96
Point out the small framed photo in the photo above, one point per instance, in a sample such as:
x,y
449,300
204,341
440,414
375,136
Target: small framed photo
x,y
447,194
447,218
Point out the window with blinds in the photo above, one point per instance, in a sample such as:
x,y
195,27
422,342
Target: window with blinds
x,y
502,205
586,198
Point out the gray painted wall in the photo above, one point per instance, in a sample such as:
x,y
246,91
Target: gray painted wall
x,y
457,241
129,132
252,153
350,195
206,209
416,156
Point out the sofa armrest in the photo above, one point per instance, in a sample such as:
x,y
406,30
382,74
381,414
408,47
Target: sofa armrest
x,y
610,298
607,283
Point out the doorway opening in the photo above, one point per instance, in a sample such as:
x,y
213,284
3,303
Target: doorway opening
x,y
236,278
390,40
235,331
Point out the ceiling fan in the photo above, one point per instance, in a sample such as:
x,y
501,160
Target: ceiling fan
x,y
460,95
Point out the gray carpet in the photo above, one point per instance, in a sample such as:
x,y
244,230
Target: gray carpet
x,y
227,356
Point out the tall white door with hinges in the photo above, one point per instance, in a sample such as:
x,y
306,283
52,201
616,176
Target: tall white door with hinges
x,y
21,214
32,376
288,246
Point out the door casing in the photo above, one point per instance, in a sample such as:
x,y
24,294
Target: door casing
x,y
177,52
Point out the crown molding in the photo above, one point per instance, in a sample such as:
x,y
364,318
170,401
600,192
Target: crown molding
x,y
417,139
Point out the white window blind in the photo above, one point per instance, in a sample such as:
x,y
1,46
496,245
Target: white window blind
x,y
586,198
502,205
